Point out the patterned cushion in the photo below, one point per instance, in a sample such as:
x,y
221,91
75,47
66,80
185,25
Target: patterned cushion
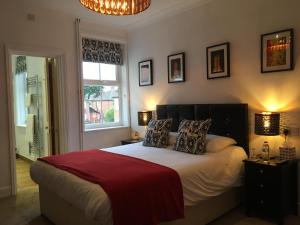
x,y
191,137
157,134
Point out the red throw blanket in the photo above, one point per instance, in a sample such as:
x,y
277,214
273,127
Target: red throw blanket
x,y
141,192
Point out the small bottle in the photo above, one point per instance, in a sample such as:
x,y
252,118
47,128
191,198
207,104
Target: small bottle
x,y
266,151
285,144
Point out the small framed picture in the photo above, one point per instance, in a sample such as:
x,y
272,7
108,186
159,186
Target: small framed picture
x,y
176,68
218,61
145,73
277,51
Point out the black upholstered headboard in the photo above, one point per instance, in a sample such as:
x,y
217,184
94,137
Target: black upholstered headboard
x,y
229,120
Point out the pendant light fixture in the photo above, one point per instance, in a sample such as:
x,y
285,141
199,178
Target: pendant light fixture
x,y
116,7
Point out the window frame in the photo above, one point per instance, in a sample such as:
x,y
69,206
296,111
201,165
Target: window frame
x,y
118,83
20,99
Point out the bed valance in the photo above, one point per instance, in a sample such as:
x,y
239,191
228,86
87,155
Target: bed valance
x,y
101,51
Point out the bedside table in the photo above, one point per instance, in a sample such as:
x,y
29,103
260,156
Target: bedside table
x,y
271,189
131,141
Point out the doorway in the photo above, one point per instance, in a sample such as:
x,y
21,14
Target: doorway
x,y
31,107
36,103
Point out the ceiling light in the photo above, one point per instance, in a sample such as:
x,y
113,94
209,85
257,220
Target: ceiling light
x,y
116,7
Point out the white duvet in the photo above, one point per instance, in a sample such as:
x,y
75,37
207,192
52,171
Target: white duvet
x,y
202,177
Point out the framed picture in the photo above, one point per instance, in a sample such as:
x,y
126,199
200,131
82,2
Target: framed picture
x,y
277,51
176,68
218,61
145,73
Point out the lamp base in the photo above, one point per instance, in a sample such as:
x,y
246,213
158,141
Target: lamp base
x,y
135,135
266,151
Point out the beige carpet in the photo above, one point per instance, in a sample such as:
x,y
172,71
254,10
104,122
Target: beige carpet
x,y
24,208
23,177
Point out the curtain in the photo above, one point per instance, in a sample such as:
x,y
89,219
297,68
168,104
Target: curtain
x,y
21,65
101,51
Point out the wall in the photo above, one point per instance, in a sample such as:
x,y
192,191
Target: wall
x,y
239,22
51,30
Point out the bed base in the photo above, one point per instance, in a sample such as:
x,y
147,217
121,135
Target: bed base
x,y
60,212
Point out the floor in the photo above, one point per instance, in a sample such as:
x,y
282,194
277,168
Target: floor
x,y
23,178
24,208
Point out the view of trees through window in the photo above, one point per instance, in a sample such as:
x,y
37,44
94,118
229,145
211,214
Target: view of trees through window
x,y
101,95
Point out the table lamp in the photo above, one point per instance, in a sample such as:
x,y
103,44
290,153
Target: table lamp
x,y
144,117
267,124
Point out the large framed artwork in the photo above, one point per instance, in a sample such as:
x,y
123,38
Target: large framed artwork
x,y
277,51
176,68
218,61
145,73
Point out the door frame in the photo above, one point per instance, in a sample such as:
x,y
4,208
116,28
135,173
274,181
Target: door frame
x,y
11,50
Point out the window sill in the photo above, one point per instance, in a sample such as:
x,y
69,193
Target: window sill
x,y
22,126
104,128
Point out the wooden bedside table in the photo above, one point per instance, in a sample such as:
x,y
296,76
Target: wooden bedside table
x,y
131,141
271,189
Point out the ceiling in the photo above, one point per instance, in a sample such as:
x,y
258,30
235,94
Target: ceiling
x,y
158,9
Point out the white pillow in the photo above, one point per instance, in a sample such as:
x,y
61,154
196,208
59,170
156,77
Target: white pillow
x,y
216,143
172,138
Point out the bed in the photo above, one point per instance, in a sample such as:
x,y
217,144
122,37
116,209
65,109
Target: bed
x,y
67,199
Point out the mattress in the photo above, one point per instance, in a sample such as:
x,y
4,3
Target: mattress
x,y
202,177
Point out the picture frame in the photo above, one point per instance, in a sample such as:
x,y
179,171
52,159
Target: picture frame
x,y
218,61
145,73
277,51
176,68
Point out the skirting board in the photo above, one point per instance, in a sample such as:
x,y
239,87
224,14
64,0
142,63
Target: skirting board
x,y
5,192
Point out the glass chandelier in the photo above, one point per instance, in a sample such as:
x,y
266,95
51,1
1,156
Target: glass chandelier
x,y
116,7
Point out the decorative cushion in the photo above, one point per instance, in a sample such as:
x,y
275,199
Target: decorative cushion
x,y
191,137
157,133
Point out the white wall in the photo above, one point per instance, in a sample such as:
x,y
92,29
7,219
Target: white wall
x,y
239,22
52,30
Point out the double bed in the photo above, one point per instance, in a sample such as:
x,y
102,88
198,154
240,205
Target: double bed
x,y
211,182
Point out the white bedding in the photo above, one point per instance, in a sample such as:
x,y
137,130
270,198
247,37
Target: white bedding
x,y
202,177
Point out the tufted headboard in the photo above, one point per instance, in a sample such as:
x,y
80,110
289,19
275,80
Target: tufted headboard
x,y
229,120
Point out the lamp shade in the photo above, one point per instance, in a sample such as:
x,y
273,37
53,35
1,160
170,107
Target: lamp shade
x,y
144,117
116,7
267,123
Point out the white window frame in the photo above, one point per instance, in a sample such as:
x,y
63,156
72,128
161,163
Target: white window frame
x,y
118,83
20,99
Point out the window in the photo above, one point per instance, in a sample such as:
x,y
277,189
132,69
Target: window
x,y
101,90
20,98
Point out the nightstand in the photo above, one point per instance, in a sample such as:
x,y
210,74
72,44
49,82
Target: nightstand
x,y
131,141
271,188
